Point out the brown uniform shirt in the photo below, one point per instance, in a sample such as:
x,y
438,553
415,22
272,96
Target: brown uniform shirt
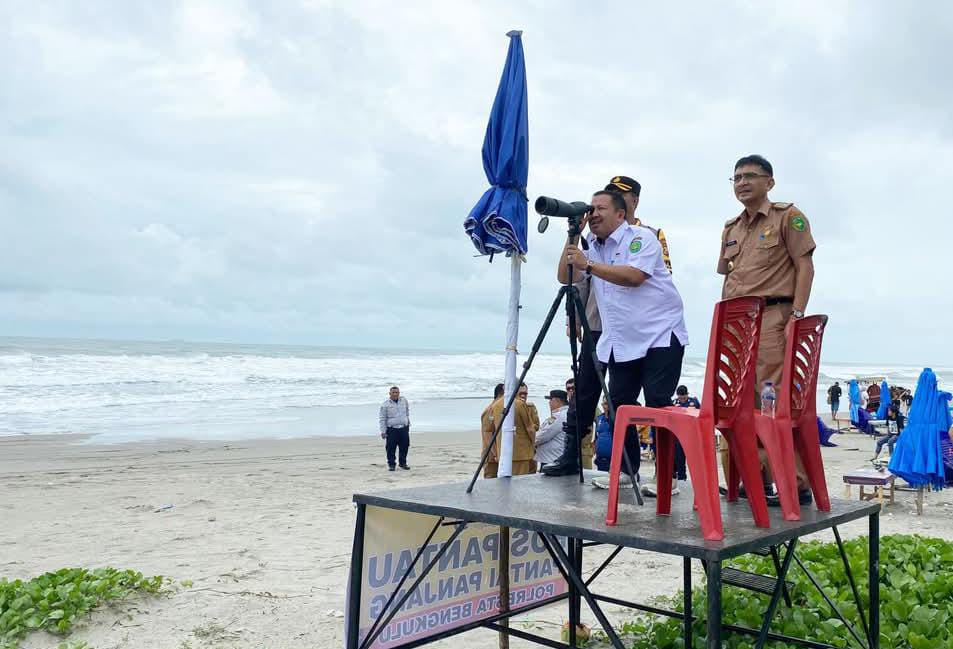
x,y
524,439
757,254
487,428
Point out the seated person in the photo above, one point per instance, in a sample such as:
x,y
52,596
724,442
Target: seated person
x,y
603,438
550,439
893,415
863,422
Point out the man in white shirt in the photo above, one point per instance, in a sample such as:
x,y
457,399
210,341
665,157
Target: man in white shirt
x,y
549,438
643,326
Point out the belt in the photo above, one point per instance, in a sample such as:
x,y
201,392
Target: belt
x,y
771,301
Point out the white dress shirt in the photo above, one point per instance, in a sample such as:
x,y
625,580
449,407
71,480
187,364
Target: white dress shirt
x,y
635,318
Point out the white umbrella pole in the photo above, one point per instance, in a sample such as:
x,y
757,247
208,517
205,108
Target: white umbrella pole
x,y
512,333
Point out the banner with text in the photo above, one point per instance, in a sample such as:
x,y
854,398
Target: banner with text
x,y
463,587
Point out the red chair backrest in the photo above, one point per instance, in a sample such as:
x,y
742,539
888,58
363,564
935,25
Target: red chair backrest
x,y
802,359
732,357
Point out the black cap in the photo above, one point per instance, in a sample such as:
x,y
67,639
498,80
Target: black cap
x,y
558,394
624,184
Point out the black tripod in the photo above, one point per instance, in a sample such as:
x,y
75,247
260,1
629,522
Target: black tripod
x,y
574,308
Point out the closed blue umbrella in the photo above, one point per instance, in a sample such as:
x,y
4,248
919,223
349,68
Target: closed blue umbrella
x,y
917,456
498,222
884,400
853,393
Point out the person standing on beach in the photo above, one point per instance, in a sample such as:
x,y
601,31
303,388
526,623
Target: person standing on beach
x,y
487,428
833,398
767,250
524,437
395,428
523,395
643,326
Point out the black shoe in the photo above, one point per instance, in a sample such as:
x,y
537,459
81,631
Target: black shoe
x,y
568,462
391,468
768,491
559,467
405,467
803,497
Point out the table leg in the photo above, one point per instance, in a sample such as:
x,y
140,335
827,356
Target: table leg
x,y
574,597
687,595
892,485
862,492
873,578
355,580
714,604
847,491
920,501
880,497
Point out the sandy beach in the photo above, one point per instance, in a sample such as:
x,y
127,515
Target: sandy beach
x,y
262,530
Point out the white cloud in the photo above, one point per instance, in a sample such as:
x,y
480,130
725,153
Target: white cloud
x,y
300,171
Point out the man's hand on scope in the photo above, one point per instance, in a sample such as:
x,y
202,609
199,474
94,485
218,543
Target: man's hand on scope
x,y
571,254
575,256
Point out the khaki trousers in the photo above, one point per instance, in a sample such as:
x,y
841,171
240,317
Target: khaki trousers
x,y
770,367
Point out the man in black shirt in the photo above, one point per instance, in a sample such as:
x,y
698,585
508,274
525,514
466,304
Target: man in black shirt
x,y
833,398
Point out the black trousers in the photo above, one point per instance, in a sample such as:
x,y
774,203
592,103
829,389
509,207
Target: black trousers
x,y
397,438
656,374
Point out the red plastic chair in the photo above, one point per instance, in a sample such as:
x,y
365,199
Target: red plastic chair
x,y
727,404
795,422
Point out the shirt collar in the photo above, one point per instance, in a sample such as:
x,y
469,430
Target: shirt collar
x,y
616,235
764,209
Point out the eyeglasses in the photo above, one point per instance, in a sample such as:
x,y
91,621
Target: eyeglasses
x,y
737,178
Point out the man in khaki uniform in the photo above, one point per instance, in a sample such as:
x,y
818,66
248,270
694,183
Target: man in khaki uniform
x,y
524,438
767,251
487,428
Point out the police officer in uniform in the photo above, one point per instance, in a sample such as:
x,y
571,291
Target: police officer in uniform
x,y
631,190
767,251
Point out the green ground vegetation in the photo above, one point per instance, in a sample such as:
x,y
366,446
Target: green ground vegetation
x,y
916,599
54,601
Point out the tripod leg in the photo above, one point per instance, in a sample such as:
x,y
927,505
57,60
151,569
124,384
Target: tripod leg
x,y
526,365
591,349
574,352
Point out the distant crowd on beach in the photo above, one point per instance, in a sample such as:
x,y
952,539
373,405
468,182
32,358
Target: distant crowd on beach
x,y
538,442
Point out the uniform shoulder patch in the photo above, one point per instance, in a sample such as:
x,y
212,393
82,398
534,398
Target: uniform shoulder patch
x,y
730,222
635,246
782,206
798,223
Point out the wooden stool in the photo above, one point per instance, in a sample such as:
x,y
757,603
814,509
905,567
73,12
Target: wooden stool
x,y
875,478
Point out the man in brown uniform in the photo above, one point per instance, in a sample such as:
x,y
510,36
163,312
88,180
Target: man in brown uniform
x,y
767,251
524,438
487,428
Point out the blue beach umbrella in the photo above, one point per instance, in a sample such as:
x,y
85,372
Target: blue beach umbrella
x,y
498,222
884,400
917,456
853,393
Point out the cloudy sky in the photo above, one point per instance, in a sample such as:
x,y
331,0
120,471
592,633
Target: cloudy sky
x,y
298,172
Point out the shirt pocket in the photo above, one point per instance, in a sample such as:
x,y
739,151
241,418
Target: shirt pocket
x,y
766,250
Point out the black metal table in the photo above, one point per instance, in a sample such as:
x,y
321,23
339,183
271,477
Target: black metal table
x,y
562,507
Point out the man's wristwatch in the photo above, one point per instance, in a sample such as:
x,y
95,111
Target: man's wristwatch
x,y
797,314
588,268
